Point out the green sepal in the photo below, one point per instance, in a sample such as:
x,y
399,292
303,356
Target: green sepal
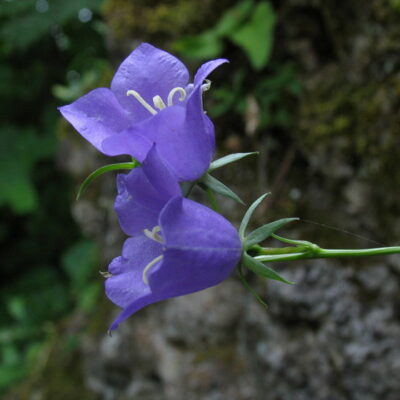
x,y
265,231
262,270
217,186
247,285
103,170
249,213
228,160
301,243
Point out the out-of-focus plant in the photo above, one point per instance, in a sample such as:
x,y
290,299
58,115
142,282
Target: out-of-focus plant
x,y
250,26
39,41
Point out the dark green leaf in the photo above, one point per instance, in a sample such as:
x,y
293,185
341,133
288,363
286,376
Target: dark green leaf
x,y
256,37
101,171
248,215
218,187
262,270
228,160
265,231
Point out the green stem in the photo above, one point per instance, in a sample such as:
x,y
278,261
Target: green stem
x,y
300,253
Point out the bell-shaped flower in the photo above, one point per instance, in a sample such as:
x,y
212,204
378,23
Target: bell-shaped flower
x,y
191,248
177,246
150,101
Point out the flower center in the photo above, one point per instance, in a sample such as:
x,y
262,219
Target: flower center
x,y
157,100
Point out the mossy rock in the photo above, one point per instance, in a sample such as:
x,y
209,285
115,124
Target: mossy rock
x,y
157,20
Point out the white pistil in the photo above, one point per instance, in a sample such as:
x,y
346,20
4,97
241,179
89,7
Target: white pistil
x,y
159,102
142,101
153,234
149,266
171,95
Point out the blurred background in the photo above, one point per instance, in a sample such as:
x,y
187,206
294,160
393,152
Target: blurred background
x,y
314,85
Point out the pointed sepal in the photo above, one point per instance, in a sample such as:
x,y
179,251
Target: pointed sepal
x,y
265,231
217,186
262,270
249,213
229,159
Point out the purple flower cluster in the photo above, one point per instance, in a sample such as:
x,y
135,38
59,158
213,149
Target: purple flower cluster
x,y
152,113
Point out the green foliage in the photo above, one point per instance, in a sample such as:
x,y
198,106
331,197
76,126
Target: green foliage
x,y
39,42
79,263
256,37
27,21
19,151
249,26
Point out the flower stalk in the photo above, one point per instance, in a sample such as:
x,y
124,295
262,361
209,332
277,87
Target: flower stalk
x,y
303,252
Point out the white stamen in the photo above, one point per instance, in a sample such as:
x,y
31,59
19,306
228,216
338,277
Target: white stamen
x,y
171,95
158,102
141,100
153,234
149,266
206,86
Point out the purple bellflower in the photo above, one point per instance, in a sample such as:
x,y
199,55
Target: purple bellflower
x,y
150,101
178,246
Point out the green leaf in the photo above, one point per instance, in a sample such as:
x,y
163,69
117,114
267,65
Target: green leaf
x,y
233,18
218,187
265,231
20,149
101,171
262,270
256,37
247,285
27,25
248,215
204,46
228,160
79,263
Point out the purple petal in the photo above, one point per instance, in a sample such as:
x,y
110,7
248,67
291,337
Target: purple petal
x,y
126,287
206,70
96,116
127,142
201,249
143,193
184,138
149,71
136,213
160,177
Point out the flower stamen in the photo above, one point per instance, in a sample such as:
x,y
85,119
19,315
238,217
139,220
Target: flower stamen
x,y
149,266
142,101
153,234
171,95
206,86
159,102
